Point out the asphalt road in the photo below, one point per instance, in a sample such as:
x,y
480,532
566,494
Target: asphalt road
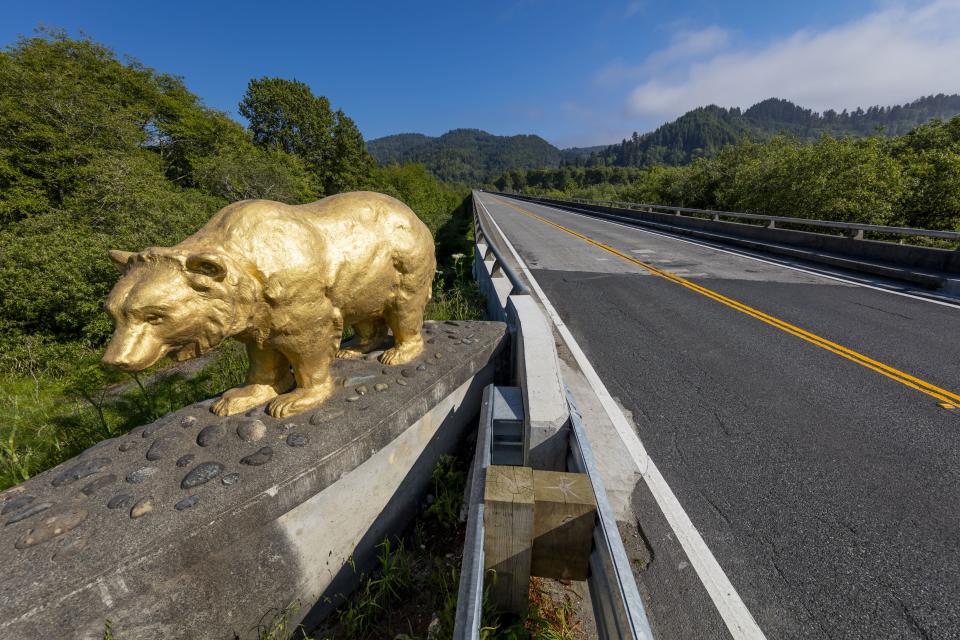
x,y
828,492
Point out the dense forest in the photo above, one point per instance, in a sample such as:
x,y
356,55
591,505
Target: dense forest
x,y
909,180
466,156
98,154
704,131
471,156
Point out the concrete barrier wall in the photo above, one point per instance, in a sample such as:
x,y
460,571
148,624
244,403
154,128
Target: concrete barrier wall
x,y
538,373
197,526
536,365
910,256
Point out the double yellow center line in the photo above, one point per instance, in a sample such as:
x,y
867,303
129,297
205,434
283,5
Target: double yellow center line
x,y
947,399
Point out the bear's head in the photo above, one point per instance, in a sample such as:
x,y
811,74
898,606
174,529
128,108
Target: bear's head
x,y
171,302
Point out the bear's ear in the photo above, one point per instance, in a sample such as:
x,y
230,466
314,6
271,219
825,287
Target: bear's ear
x,y
207,264
121,258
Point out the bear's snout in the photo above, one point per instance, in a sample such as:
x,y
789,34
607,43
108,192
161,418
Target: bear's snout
x,y
117,361
132,351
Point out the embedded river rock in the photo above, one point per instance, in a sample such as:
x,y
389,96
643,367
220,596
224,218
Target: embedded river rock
x,y
197,525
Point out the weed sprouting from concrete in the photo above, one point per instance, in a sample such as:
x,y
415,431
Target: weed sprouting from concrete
x,y
448,481
377,592
548,619
275,625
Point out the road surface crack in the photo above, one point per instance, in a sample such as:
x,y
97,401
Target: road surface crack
x,y
911,620
892,313
798,597
914,624
716,508
722,424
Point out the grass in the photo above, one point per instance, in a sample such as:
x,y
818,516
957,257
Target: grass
x,y
455,294
413,586
448,484
275,625
372,602
45,420
548,619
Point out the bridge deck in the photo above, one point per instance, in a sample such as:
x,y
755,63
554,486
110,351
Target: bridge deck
x,y
800,420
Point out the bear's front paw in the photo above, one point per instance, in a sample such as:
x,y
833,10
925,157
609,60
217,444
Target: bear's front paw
x,y
299,400
403,353
239,399
349,354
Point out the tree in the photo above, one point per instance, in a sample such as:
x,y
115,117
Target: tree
x,y
930,156
97,154
349,165
286,115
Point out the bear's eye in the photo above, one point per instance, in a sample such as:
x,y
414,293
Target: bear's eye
x,y
154,318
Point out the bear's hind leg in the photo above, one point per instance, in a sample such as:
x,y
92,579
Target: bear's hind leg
x,y
406,322
268,376
370,336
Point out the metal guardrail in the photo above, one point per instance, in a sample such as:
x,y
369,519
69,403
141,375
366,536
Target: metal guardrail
x,y
854,229
470,592
617,607
500,265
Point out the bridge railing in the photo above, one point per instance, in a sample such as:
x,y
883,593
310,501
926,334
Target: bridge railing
x,y
483,238
853,229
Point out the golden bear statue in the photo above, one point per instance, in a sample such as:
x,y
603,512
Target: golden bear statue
x,y
284,280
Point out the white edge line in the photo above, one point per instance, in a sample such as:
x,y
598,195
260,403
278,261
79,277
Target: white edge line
x,y
731,607
743,253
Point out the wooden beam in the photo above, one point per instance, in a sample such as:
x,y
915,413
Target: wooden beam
x,y
508,535
564,517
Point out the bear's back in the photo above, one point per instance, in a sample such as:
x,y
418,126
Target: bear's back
x,y
275,236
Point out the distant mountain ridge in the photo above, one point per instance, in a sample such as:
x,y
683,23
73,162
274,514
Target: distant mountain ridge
x,y
471,155
466,155
703,131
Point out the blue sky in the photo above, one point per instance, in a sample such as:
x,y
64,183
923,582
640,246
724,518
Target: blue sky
x,y
576,73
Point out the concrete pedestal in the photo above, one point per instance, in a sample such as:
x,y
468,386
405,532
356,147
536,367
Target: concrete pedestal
x,y
197,526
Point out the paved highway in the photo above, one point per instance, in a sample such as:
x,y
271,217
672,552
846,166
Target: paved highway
x,y
806,425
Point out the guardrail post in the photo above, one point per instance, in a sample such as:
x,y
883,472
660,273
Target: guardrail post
x,y
508,520
856,234
772,224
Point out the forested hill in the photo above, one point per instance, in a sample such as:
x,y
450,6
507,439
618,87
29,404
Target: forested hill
x,y
466,155
703,131
576,155
471,156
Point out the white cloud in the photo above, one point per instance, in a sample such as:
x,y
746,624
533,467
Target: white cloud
x,y
890,56
684,45
633,8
